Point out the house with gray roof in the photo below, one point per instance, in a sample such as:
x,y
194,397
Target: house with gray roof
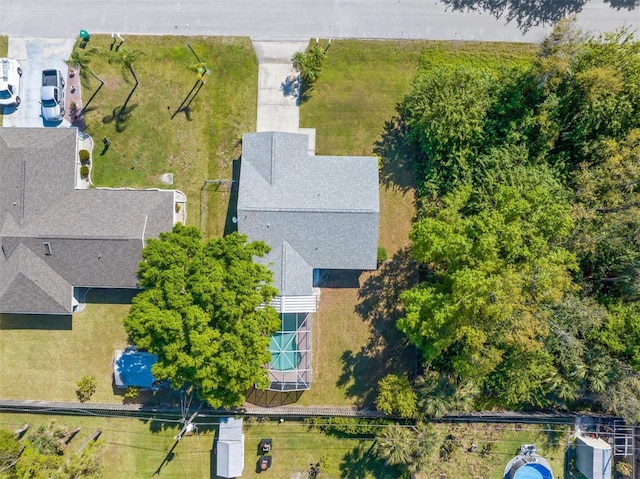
x,y
315,212
56,238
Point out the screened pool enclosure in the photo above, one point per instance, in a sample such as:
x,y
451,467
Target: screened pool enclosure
x,y
290,348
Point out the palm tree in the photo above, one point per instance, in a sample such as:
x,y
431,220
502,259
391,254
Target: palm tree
x,y
48,439
396,445
126,58
439,395
200,69
81,59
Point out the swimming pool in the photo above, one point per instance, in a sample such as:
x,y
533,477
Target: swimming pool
x,y
533,470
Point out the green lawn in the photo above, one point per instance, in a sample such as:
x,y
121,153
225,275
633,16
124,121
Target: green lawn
x,y
43,357
137,448
132,448
199,143
550,441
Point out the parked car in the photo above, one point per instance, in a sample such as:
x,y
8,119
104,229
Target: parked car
x,y
52,95
10,82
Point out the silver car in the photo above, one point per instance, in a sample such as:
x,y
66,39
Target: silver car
x,y
52,95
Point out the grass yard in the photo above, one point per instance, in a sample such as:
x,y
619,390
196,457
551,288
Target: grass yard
x,y
550,441
43,357
200,142
133,448
137,448
353,108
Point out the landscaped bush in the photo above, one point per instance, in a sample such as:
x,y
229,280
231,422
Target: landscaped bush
x,y
382,254
84,171
132,392
86,388
84,157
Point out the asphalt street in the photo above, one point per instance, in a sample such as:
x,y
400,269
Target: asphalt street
x,y
303,19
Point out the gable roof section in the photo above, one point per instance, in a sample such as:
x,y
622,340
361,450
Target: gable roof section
x,y
54,237
313,211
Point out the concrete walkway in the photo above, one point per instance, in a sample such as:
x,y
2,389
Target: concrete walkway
x,y
278,108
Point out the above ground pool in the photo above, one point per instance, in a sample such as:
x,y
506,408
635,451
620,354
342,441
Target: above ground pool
x,y
533,470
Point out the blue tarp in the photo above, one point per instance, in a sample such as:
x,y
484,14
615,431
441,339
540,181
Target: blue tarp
x,y
133,368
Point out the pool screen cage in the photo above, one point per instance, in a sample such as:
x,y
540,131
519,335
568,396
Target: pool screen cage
x,y
290,348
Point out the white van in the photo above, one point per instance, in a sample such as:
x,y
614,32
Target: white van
x,y
10,73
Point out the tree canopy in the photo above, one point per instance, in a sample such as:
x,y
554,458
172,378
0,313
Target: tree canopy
x,y
527,232
202,313
45,455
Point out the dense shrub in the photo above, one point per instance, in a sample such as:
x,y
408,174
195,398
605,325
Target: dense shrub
x,y
84,156
86,388
382,254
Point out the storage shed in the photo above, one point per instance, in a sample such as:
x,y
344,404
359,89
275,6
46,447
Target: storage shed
x,y
230,448
593,457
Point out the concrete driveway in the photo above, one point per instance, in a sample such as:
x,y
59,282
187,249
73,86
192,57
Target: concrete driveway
x,y
35,55
278,108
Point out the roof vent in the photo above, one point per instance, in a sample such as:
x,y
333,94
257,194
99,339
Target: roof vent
x,y
47,248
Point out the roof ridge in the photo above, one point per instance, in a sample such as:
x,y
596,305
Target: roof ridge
x,y
308,210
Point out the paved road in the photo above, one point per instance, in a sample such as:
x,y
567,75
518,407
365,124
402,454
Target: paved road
x,y
302,19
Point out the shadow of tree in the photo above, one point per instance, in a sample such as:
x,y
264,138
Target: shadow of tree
x,y
361,462
120,115
528,13
387,350
623,4
397,155
291,86
272,398
304,92
536,13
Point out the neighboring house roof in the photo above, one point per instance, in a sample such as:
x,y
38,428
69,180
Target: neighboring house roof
x,y
133,368
54,237
313,211
230,448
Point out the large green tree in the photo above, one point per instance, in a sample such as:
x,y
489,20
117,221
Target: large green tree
x,y
202,312
497,262
607,210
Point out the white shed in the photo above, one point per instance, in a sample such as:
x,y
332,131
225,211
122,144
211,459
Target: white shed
x,y
593,457
230,448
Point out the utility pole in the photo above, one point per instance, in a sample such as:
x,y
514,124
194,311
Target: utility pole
x,y
188,426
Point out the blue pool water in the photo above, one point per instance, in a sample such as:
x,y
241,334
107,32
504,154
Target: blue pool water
x,y
533,471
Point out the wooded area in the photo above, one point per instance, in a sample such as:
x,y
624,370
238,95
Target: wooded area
x,y
528,229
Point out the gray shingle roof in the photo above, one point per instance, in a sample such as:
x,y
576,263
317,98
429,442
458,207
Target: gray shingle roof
x,y
95,237
314,211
